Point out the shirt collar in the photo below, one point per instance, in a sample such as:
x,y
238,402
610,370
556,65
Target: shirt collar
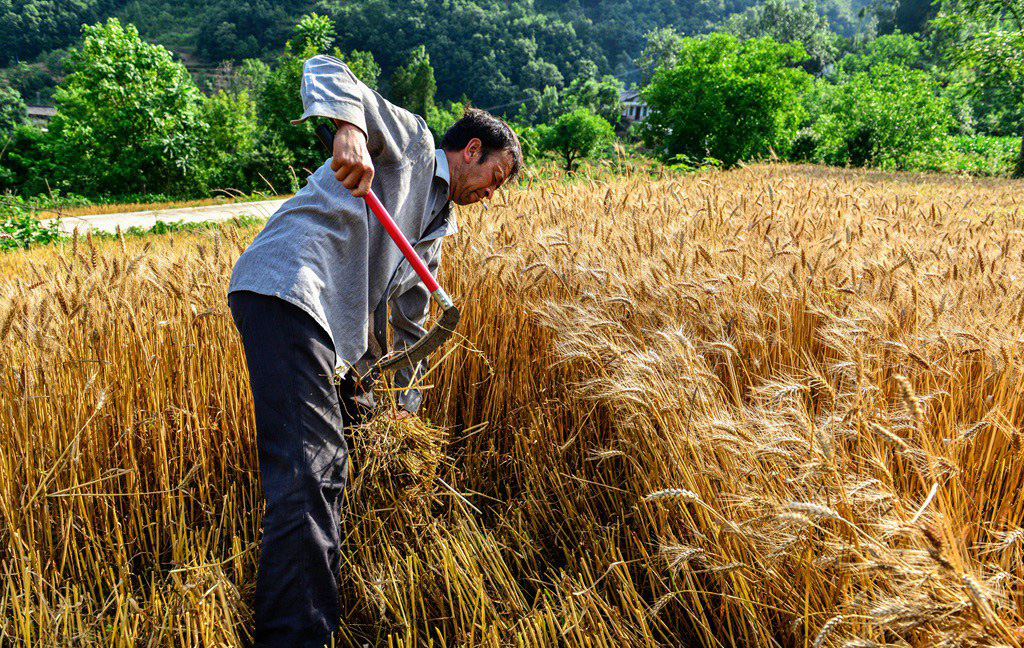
x,y
441,168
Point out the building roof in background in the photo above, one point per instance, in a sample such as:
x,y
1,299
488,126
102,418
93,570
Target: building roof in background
x,y
41,111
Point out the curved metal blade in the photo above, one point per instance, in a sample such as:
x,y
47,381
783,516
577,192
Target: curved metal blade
x,y
434,338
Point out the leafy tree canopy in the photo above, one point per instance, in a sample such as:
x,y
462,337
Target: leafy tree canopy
x,y
905,50
882,118
726,99
128,117
240,29
12,111
789,23
413,86
599,95
31,27
660,50
987,36
575,135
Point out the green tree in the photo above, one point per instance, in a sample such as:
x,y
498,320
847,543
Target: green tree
x,y
128,117
250,75
314,33
905,50
413,85
789,23
661,48
441,119
882,118
285,149
222,29
575,135
35,82
907,16
540,74
25,165
31,27
600,96
363,66
542,107
12,111
987,36
231,140
727,100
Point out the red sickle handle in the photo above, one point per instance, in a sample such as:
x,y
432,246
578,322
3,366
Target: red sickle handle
x,y
326,137
403,243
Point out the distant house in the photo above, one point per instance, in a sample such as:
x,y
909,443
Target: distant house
x,y
633,107
41,115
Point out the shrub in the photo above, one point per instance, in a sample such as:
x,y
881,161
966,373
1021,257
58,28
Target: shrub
x,y
575,136
725,99
882,118
19,229
128,117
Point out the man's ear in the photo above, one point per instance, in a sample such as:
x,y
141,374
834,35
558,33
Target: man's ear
x,y
474,148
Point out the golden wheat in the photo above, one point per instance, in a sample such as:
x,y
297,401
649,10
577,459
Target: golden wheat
x,y
670,419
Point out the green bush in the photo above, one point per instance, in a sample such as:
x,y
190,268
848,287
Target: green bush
x,y
727,100
976,155
883,118
440,119
13,111
804,145
575,136
19,229
904,50
128,117
231,140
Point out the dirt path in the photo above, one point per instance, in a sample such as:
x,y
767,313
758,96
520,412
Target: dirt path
x,y
147,219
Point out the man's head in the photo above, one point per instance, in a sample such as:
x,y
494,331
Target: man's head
x,y
483,153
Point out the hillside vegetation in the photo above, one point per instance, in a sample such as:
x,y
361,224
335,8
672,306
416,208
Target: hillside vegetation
x,y
771,406
485,49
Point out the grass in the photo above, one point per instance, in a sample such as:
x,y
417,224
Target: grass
x,y
777,405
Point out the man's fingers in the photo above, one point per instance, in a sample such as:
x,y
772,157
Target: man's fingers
x,y
356,179
364,184
348,177
351,162
352,179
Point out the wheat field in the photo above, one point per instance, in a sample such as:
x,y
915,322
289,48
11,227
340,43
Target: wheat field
x,y
773,406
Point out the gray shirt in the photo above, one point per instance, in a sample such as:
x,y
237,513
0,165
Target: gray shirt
x,y
325,252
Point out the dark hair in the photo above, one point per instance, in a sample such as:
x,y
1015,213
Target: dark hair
x,y
492,131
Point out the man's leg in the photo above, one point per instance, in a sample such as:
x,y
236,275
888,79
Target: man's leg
x,y
304,466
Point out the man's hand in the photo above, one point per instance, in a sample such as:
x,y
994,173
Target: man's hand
x,y
352,165
400,415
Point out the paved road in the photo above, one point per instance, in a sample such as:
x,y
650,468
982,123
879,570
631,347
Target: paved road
x,y
147,219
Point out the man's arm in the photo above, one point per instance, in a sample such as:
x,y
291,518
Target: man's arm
x,y
371,130
409,309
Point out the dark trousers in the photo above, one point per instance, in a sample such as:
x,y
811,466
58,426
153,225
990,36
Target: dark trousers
x,y
300,421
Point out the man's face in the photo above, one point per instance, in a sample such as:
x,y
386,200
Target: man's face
x,y
472,181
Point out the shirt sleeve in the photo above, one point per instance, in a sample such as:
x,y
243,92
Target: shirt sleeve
x,y
409,309
330,89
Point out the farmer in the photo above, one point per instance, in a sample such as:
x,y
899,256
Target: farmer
x,y
310,300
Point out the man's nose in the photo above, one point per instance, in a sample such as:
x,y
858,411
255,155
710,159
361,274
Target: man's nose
x,y
488,192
